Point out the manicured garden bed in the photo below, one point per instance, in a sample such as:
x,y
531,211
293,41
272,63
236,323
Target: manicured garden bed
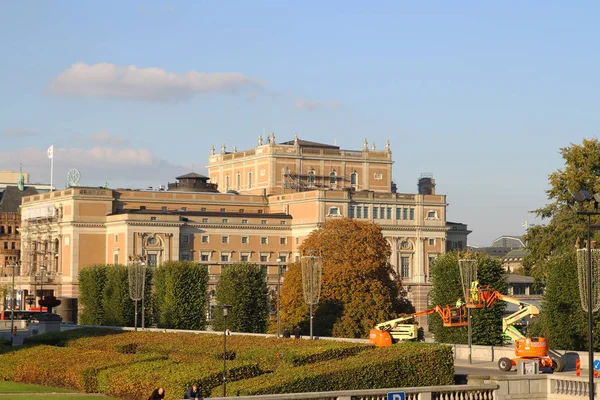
x,y
129,365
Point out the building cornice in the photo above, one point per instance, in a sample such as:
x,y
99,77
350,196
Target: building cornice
x,y
240,226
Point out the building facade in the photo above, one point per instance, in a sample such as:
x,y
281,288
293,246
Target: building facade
x,y
261,220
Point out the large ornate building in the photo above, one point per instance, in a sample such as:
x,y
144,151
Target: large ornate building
x,y
271,198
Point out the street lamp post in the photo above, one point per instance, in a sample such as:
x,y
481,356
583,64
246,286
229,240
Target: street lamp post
x,y
12,305
226,309
42,269
278,295
589,301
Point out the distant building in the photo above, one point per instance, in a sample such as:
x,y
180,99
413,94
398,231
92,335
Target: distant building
x,y
456,236
9,178
502,245
513,260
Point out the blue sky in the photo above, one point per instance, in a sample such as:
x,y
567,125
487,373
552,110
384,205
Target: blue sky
x,y
481,94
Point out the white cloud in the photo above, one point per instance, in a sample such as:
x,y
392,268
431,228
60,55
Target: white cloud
x,y
108,138
97,165
17,132
311,105
154,84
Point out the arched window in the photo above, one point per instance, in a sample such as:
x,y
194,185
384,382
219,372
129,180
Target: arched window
x,y
332,178
249,180
227,183
238,179
311,177
354,179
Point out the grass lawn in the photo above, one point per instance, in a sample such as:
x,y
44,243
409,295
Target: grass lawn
x,y
9,388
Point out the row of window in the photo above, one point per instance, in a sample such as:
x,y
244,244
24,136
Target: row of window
x,y
238,181
225,239
12,245
8,230
165,208
381,212
244,257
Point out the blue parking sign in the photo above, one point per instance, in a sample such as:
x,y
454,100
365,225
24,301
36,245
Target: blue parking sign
x,y
396,396
597,365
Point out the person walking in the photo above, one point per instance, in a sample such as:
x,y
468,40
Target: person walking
x,y
157,394
286,333
193,393
297,332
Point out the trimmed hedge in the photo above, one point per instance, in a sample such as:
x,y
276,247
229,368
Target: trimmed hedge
x,y
407,365
130,365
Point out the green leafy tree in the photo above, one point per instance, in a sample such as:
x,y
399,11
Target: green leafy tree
x,y
91,287
357,286
447,287
244,287
180,295
562,321
581,171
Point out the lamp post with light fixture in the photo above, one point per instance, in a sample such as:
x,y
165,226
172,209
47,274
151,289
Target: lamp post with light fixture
x,y
225,309
278,296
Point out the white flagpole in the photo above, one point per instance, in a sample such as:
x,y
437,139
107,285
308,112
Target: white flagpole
x,y
51,156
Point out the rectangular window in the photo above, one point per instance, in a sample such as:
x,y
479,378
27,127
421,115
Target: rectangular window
x,y
204,257
412,214
404,267
405,213
163,208
359,212
152,260
263,240
241,210
382,212
183,208
152,218
283,223
297,240
185,239
351,212
366,212
224,257
12,246
225,239
222,210
283,258
398,213
245,221
185,257
244,257
263,222
116,238
116,258
205,220
260,211
432,242
282,240
204,239
297,258
203,209
389,213
142,207
263,259
375,212
225,220
431,214
244,239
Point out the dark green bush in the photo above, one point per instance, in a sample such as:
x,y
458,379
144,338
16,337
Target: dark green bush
x,y
407,365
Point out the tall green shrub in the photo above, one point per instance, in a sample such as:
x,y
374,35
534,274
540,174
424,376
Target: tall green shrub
x,y
487,323
91,287
180,295
118,307
244,287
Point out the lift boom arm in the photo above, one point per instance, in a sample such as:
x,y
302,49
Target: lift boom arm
x,y
489,297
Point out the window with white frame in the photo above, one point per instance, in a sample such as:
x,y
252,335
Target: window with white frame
x,y
116,258
244,239
264,240
245,257
431,214
205,239
332,179
282,240
225,220
224,239
432,242
204,220
245,221
204,257
224,257
334,211
351,211
354,179
405,266
263,258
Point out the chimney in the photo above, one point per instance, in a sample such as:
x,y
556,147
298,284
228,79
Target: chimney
x,y
426,184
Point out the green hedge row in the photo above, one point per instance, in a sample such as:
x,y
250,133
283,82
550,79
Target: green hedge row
x,y
407,365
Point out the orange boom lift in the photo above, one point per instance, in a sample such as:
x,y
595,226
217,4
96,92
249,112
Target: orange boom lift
x,y
536,348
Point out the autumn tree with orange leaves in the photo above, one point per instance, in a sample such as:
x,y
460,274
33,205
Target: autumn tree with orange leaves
x,y
357,286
